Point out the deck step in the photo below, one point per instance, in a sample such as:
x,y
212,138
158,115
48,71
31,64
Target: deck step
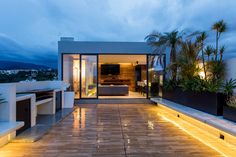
x,y
114,101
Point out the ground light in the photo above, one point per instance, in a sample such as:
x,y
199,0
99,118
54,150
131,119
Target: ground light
x,y
200,131
201,73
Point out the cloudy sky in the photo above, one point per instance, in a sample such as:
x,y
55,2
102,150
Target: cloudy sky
x,y
30,29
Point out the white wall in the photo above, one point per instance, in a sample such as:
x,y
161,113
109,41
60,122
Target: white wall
x,y
26,86
231,69
8,109
67,69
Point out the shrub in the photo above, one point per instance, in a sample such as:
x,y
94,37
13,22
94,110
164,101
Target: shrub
x,y
194,84
170,84
228,86
213,86
216,70
232,101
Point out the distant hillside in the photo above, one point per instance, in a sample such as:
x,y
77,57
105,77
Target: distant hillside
x,y
11,65
11,50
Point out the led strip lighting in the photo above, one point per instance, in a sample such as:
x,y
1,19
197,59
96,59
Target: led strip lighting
x,y
190,127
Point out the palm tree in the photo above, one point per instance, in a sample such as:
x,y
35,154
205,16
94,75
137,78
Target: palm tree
x,y
209,50
188,59
221,52
219,27
201,40
170,40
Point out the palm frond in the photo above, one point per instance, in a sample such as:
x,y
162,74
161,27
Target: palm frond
x,y
229,85
221,52
153,36
220,26
193,34
209,50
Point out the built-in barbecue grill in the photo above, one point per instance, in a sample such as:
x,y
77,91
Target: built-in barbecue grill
x,y
44,94
40,94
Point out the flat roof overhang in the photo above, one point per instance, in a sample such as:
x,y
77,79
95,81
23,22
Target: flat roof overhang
x,y
88,47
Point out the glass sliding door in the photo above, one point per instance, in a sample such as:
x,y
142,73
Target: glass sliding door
x,y
89,76
155,75
71,73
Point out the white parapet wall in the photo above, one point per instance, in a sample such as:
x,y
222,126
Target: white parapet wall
x,y
8,109
32,107
8,124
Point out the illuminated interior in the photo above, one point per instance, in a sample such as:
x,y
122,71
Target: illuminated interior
x,y
155,75
86,78
71,73
132,73
76,78
89,76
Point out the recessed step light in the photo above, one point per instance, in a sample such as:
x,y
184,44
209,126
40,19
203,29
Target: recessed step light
x,y
222,136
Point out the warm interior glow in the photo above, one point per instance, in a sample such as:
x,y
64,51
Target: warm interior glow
x,y
83,69
76,74
76,71
118,59
116,63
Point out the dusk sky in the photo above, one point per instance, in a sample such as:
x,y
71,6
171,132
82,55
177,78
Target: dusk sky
x,y
30,29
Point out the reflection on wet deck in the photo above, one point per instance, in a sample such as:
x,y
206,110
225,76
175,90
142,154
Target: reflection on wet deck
x,y
112,130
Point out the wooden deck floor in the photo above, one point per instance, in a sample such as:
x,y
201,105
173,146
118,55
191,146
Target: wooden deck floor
x,y
112,130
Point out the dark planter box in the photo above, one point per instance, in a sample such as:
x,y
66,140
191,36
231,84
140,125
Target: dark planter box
x,y
174,95
208,102
229,113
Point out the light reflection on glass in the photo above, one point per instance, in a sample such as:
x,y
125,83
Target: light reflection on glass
x,y
79,119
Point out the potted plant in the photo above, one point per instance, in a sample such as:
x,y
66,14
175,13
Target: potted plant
x,y
197,94
197,80
191,90
69,96
229,109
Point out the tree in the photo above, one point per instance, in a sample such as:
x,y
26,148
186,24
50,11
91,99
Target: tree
x,y
220,27
201,40
209,50
188,59
221,52
170,40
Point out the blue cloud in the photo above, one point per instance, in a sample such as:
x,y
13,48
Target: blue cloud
x,y
32,28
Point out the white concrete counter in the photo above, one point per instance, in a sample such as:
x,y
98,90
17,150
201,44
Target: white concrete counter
x,y
20,97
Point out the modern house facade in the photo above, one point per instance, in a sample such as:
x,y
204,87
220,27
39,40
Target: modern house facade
x,y
110,69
